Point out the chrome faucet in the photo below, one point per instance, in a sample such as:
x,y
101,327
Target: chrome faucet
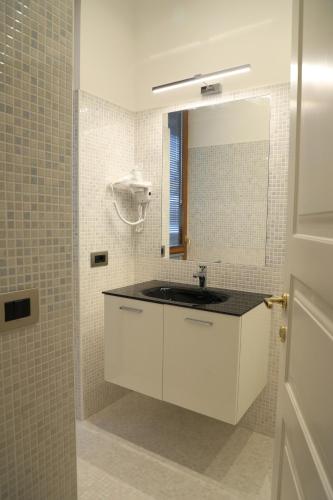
x,y
202,275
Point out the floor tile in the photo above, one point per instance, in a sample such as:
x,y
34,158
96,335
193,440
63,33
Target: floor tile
x,y
140,448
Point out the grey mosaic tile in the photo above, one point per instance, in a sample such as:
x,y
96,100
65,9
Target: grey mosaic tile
x,y
36,364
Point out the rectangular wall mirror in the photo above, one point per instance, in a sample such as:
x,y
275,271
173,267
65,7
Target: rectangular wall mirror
x,y
215,182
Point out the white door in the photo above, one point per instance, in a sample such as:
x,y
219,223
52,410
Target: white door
x,y
303,467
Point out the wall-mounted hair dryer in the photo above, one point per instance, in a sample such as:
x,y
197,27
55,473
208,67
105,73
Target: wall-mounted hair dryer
x,y
140,190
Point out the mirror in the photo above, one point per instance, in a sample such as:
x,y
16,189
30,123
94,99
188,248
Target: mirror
x,y
215,182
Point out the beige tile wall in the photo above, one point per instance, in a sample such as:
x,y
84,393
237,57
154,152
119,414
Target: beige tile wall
x,y
37,457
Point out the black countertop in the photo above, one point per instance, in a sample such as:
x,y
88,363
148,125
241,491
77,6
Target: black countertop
x,y
237,304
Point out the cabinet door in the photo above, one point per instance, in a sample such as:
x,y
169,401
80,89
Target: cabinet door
x,y
134,344
200,369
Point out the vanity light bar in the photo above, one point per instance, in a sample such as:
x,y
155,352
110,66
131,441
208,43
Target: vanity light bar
x,y
245,68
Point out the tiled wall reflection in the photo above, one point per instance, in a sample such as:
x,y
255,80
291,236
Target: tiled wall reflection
x,y
36,363
227,202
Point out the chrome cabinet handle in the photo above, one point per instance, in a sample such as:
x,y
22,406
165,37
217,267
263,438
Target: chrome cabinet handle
x,y
206,323
130,309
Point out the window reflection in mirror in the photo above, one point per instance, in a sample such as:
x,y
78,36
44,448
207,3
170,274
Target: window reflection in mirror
x,y
178,127
215,182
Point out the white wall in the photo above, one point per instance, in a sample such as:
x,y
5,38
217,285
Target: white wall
x,y
106,50
176,39
229,123
128,46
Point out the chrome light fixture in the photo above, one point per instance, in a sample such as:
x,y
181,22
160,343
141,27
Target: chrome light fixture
x,y
216,75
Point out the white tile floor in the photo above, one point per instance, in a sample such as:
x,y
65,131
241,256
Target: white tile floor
x,y
140,448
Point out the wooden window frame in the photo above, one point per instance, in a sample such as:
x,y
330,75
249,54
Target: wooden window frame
x,y
182,248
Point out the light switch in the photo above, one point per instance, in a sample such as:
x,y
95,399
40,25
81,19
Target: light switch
x,y
98,259
18,309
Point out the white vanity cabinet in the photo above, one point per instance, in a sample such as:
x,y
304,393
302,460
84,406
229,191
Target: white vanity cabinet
x,y
215,364
211,363
134,345
200,362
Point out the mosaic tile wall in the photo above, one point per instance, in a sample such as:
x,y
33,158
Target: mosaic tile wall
x,y
111,141
37,435
227,202
105,152
269,278
76,255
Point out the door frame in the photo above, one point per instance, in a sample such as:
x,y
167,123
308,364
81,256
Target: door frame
x,y
294,136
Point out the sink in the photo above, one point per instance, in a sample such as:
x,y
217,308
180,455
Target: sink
x,y
185,295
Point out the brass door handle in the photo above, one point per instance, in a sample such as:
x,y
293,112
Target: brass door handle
x,y
283,333
278,299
